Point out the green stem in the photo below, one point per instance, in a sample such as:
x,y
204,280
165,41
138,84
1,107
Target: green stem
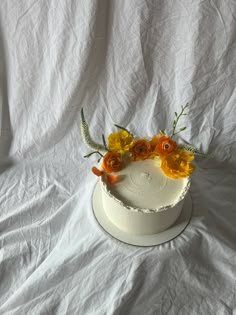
x,y
97,152
123,129
82,114
104,143
177,120
204,156
177,132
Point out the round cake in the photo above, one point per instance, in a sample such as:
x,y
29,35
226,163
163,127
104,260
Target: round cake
x,y
144,181
143,200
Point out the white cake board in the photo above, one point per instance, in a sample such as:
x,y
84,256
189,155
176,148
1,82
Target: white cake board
x,y
141,240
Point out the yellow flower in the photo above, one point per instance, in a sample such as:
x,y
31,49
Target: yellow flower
x,y
120,141
154,141
177,164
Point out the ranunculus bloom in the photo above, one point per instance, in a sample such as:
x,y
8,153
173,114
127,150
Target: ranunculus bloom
x,y
120,141
140,150
112,162
177,164
154,141
165,145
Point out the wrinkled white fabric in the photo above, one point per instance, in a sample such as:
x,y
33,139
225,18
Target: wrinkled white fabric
x,y
133,63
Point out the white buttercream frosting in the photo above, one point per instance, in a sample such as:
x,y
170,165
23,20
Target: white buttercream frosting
x,y
144,187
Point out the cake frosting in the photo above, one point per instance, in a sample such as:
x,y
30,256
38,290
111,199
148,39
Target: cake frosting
x,y
144,200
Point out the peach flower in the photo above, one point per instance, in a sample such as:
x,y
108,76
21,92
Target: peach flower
x,y
112,162
140,150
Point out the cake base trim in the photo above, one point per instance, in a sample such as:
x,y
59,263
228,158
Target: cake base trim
x,y
140,240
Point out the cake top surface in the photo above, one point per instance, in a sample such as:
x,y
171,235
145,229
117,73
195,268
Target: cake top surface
x,y
142,186
143,175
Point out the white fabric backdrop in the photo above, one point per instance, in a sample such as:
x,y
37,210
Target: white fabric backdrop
x,y
132,63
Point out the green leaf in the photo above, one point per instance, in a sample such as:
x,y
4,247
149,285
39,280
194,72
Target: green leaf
x,y
183,128
176,114
104,142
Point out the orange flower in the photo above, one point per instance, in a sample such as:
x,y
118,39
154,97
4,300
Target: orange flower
x,y
165,145
112,162
140,150
97,171
177,164
113,179
154,141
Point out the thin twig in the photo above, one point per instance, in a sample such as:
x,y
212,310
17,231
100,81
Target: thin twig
x,y
204,155
97,152
104,142
123,129
175,122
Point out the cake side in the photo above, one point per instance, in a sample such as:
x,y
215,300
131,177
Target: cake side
x,y
119,201
132,221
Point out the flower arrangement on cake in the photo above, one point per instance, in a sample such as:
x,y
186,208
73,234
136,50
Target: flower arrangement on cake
x,y
174,159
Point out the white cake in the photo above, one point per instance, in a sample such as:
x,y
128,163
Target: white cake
x,y
144,200
144,181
